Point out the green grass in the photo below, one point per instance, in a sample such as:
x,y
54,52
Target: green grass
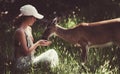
x,y
100,60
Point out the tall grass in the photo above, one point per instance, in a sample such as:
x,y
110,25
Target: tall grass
x,y
100,60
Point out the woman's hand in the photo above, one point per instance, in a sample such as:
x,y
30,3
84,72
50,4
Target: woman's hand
x,y
44,42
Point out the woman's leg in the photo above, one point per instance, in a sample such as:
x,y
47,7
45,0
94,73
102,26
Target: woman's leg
x,y
49,56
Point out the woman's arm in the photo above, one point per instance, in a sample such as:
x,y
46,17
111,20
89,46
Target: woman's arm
x,y
20,35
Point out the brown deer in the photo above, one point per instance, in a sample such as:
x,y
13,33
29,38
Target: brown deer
x,y
86,35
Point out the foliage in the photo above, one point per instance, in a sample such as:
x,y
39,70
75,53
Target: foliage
x,y
100,60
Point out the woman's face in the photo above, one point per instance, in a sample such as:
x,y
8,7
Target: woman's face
x,y
31,20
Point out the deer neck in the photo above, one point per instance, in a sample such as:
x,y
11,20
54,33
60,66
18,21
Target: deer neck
x,y
63,33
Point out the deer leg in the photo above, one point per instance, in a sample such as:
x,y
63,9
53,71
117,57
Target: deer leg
x,y
84,53
84,46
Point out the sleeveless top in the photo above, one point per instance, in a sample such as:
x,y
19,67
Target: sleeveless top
x,y
28,34
25,61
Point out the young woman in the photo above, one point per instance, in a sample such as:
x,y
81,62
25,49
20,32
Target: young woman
x,y
23,41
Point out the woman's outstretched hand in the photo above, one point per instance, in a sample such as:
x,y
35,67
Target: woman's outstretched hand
x,y
44,42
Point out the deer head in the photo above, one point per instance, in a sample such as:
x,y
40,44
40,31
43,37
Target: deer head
x,y
50,29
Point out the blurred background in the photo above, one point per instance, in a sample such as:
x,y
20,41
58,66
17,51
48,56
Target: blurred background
x,y
90,9
71,12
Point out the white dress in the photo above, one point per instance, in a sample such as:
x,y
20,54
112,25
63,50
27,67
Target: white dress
x,y
49,56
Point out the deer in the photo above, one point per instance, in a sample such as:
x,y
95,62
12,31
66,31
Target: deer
x,y
87,35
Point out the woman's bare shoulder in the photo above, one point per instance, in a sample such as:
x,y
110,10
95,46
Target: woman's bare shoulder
x,y
19,31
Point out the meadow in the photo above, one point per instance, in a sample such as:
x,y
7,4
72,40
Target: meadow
x,y
100,60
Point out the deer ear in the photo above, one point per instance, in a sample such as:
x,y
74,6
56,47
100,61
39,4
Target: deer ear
x,y
55,21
